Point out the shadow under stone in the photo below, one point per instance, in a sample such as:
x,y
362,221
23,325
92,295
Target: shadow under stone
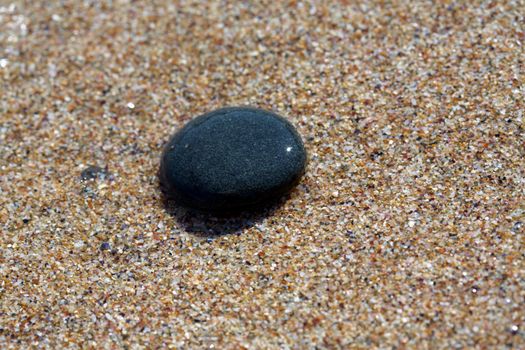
x,y
212,225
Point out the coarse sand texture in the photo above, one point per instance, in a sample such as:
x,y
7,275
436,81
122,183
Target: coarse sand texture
x,y
407,230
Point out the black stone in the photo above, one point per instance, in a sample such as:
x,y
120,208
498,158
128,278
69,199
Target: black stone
x,y
232,159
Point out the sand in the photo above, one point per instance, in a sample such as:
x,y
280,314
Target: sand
x,y
407,231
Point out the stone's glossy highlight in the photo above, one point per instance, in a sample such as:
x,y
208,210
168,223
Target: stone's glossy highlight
x,y
231,159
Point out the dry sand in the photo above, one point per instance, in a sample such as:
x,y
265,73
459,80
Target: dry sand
x,y
408,230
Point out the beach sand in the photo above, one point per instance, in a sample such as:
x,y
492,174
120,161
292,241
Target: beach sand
x,y
407,231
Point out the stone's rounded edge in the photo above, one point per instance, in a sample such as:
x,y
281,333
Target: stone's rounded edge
x,y
170,192
190,202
